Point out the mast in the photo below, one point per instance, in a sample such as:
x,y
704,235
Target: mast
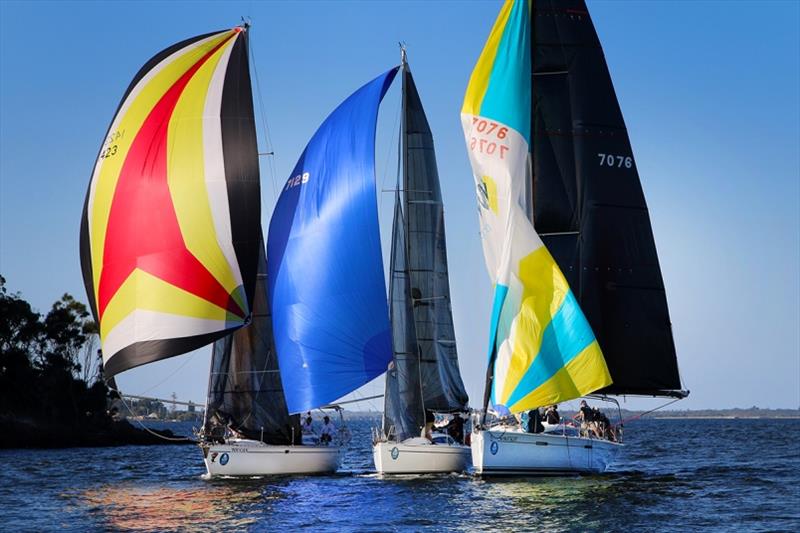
x,y
404,412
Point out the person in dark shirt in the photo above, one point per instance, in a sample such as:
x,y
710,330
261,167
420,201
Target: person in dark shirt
x,y
455,428
586,417
535,421
551,415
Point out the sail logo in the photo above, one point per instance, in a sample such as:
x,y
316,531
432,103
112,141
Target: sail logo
x,y
295,181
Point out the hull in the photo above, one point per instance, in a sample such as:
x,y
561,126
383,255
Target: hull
x,y
419,456
502,452
253,458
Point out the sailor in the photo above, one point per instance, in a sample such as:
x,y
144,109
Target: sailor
x,y
328,431
535,421
430,418
551,415
586,417
307,426
455,428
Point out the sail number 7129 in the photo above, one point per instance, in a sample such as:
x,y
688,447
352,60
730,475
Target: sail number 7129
x,y
618,161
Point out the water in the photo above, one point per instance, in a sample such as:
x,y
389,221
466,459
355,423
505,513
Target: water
x,y
720,475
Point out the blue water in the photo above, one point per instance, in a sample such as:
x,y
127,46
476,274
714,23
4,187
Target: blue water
x,y
688,475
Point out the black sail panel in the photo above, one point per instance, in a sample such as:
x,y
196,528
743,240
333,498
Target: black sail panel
x,y
404,414
245,391
443,389
588,202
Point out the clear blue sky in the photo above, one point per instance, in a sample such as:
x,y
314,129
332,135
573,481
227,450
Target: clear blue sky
x,y
710,92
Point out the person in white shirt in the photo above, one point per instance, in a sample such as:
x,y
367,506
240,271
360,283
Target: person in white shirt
x,y
328,431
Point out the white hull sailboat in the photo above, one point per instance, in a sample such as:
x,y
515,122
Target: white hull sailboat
x,y
420,456
245,457
504,451
579,301
423,377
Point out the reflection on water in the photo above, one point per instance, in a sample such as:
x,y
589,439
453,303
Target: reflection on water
x,y
166,509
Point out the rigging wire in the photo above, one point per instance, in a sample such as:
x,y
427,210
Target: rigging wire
x,y
168,376
265,129
155,433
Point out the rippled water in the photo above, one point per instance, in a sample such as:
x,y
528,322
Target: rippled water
x,y
720,475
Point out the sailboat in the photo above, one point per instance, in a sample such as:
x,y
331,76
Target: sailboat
x,y
172,252
549,149
424,375
247,429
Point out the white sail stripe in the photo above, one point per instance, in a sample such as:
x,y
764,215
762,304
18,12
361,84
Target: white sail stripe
x,y
126,105
144,325
214,165
507,167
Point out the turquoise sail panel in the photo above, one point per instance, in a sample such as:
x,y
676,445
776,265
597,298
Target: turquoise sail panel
x,y
326,280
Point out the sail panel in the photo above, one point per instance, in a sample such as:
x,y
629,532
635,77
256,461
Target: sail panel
x,y
442,386
168,154
542,350
326,279
404,406
245,391
589,204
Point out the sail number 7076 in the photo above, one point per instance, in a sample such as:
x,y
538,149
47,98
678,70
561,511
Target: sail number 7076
x,y
486,145
618,161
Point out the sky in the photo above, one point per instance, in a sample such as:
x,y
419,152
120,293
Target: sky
x,y
710,92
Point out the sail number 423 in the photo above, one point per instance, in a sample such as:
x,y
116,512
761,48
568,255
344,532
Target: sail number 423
x,y
618,161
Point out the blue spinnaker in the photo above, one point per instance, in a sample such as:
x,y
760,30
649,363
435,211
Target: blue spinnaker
x,y
326,281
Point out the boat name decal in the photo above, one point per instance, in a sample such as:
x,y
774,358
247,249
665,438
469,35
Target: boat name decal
x,y
224,458
395,453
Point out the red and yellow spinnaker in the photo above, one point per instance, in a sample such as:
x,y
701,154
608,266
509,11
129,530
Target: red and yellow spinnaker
x,y
171,223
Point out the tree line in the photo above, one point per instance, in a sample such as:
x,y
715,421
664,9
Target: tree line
x,y
50,367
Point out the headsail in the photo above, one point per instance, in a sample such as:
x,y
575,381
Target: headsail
x,y
245,389
588,202
327,286
542,349
404,413
442,387
171,221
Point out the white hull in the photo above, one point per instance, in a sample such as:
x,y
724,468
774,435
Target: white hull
x,y
419,456
254,458
512,452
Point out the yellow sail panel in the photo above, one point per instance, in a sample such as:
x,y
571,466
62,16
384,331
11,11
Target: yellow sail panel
x,y
159,236
187,174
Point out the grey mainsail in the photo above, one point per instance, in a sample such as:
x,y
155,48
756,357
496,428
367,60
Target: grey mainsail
x,y
425,375
443,389
245,391
589,207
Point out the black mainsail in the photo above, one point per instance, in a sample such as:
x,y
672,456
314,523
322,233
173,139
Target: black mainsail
x,y
245,392
588,204
429,379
